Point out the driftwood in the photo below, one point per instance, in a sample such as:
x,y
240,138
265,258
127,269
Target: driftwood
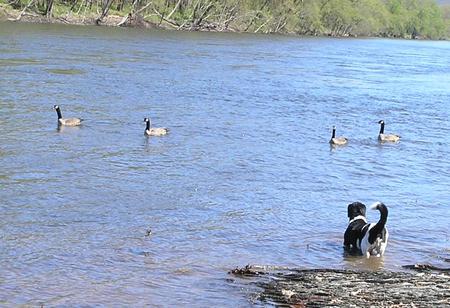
x,y
346,288
30,3
174,9
169,22
133,13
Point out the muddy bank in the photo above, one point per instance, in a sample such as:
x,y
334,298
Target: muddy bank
x,y
347,288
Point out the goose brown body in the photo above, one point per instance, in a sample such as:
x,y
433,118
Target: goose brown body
x,y
66,121
154,131
337,140
382,137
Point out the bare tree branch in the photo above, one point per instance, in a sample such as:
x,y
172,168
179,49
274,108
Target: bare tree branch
x,y
23,11
261,26
174,9
170,22
133,13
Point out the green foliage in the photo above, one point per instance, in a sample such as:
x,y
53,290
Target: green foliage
x,y
339,17
391,18
412,18
309,18
373,17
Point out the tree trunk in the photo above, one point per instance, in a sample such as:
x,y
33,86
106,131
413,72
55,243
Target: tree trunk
x,y
48,9
106,5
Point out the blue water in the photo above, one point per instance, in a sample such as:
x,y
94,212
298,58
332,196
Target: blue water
x,y
102,215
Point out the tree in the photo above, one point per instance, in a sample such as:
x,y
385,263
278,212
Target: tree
x,y
339,17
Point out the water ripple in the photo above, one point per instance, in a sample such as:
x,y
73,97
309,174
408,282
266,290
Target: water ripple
x,y
246,174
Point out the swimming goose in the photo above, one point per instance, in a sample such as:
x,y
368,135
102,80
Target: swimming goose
x,y
68,121
337,140
382,137
154,131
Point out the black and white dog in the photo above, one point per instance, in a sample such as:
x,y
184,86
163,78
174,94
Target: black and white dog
x,y
363,238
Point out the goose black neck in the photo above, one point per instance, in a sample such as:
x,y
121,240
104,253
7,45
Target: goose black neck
x,y
333,135
58,111
382,128
148,125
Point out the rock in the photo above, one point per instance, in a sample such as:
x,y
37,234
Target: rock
x,y
345,288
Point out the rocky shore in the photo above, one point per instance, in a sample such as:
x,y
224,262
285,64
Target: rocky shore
x,y
347,288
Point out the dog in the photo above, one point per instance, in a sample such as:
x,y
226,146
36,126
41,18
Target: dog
x,y
362,237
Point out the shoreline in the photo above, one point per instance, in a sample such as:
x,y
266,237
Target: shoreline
x,y
8,14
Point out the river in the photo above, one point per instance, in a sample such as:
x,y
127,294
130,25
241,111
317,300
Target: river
x,y
102,215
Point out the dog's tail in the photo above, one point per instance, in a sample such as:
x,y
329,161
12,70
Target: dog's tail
x,y
377,230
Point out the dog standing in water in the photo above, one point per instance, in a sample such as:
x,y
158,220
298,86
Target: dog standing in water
x,y
362,237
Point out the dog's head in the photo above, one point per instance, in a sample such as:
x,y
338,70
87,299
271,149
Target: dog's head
x,y
356,209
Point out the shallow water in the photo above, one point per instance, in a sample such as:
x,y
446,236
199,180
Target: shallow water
x,y
246,174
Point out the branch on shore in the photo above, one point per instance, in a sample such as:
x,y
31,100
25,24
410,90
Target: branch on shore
x,y
261,26
200,13
174,9
227,15
64,20
133,13
170,22
23,11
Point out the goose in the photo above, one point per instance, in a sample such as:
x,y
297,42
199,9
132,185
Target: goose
x,y
154,131
337,140
68,121
382,137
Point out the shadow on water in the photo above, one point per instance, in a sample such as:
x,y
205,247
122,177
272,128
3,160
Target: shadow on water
x,y
67,129
335,147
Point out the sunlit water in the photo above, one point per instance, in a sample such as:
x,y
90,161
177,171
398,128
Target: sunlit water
x,y
246,174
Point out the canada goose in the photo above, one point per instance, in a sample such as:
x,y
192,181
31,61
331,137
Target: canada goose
x,y
382,137
154,131
68,121
337,140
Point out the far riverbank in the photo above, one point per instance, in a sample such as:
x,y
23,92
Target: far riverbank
x,y
307,19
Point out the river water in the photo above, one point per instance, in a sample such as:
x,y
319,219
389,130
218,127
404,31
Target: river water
x,y
102,215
